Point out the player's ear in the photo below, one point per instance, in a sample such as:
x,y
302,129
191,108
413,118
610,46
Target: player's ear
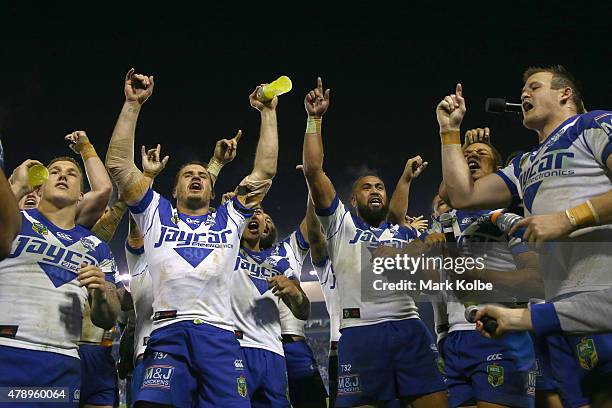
x,y
565,95
353,201
174,192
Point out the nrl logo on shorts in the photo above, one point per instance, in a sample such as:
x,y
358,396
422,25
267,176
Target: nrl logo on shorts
x,y
587,354
495,375
242,386
39,228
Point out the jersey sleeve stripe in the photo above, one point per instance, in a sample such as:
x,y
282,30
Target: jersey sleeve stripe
x,y
135,251
301,241
326,212
143,204
246,212
511,186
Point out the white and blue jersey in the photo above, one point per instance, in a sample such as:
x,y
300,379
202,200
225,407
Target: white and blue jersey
x,y
190,259
329,286
478,237
41,299
291,325
255,308
564,171
141,289
350,240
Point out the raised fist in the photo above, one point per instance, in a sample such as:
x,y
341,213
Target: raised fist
x,y
316,101
152,164
76,140
138,87
226,149
450,111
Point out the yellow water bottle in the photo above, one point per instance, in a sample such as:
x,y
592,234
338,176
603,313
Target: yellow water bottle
x,y
37,175
275,88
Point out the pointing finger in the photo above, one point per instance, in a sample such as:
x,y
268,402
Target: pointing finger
x,y
238,136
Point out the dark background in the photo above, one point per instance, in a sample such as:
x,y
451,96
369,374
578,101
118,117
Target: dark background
x,y
62,68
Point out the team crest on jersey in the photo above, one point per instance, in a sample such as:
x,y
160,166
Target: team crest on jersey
x,y
495,375
40,229
242,386
587,353
88,243
175,217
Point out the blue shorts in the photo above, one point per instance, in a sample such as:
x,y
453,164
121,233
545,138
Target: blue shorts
x,y
386,361
30,368
137,376
305,384
99,382
574,358
187,364
545,381
267,378
495,371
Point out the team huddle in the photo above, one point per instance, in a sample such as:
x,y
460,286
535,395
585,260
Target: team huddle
x,y
213,314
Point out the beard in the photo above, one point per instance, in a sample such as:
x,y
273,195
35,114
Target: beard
x,y
194,202
372,216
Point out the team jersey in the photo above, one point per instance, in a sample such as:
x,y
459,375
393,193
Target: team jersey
x,y
141,289
564,171
190,259
329,286
478,237
255,308
291,325
40,298
350,241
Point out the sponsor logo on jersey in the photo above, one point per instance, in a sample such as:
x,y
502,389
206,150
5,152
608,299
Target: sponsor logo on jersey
x,y
587,353
58,262
63,236
194,247
495,375
238,364
494,357
242,386
207,239
368,236
39,228
158,376
551,164
349,384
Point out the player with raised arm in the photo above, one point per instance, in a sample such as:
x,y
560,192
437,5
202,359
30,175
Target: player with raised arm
x,y
385,350
325,273
257,308
564,184
479,370
190,357
54,268
94,202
